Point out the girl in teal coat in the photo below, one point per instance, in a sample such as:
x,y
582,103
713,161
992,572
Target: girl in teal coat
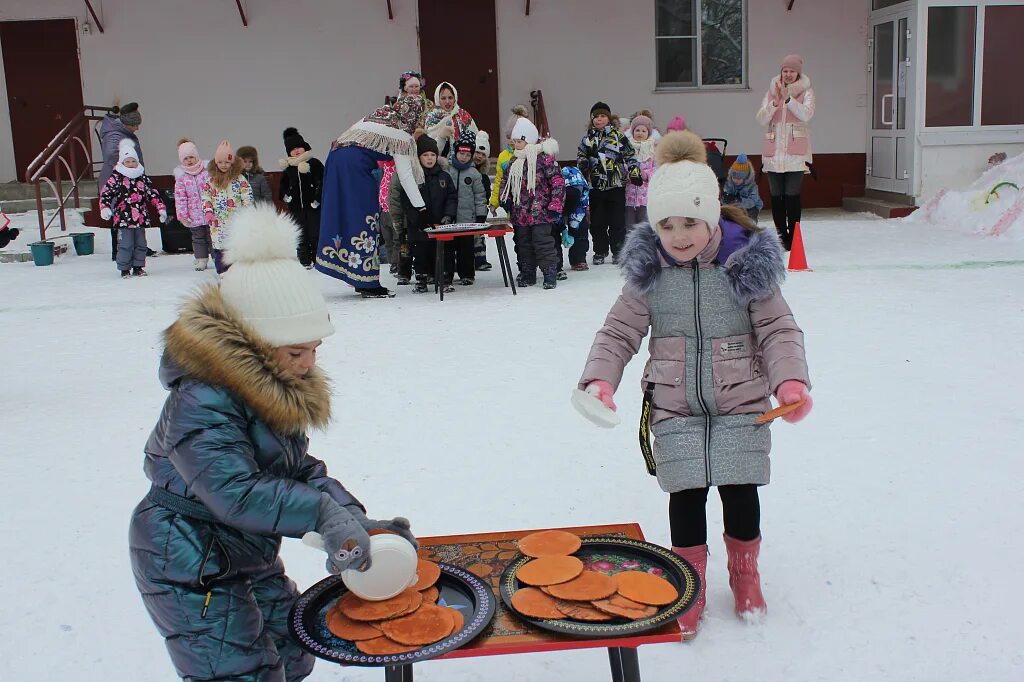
x,y
230,470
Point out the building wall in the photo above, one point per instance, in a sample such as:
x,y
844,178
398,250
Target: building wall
x,y
195,70
581,52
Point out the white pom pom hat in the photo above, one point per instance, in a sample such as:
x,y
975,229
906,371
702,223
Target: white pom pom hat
x,y
266,285
525,130
684,185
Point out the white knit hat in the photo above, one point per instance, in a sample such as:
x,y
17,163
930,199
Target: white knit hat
x,y
483,143
525,130
126,150
684,185
266,285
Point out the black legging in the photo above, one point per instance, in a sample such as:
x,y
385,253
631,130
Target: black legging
x,y
786,205
688,521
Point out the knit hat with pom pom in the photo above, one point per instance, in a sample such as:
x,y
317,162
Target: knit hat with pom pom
x,y
292,140
483,143
266,285
684,185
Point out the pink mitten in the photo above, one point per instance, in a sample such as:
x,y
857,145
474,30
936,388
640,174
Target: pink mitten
x,y
603,391
793,391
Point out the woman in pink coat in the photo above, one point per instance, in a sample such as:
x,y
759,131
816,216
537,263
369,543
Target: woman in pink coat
x,y
786,112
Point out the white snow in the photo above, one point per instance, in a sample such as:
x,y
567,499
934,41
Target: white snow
x,y
892,527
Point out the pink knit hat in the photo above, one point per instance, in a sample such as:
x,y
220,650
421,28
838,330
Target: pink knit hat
x,y
187,148
644,121
224,152
677,123
793,61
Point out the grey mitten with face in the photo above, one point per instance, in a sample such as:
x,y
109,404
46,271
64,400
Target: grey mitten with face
x,y
345,539
398,525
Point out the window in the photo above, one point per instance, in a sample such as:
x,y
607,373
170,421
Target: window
x,y
1002,98
949,95
700,43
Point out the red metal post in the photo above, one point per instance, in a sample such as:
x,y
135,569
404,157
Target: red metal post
x,y
39,211
60,199
74,176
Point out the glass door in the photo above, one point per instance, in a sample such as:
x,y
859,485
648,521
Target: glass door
x,y
890,153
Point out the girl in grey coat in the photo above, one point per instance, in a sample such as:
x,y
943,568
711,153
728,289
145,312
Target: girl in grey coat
x,y
704,282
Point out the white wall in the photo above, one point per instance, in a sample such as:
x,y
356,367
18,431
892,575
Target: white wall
x,y
196,71
581,51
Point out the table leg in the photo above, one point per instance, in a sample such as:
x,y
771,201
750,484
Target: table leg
x,y
625,664
500,242
398,673
507,264
439,269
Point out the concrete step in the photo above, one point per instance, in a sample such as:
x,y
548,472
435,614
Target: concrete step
x,y
891,197
11,191
880,207
22,205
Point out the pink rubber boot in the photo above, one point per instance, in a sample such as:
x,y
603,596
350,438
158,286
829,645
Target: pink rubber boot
x,y
689,622
744,579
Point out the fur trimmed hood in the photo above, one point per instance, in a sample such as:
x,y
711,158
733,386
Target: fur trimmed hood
x,y
211,345
802,84
754,261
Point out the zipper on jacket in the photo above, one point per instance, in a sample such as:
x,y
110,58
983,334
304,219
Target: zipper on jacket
x,y
700,372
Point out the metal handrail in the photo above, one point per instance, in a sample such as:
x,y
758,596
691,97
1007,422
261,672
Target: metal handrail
x,y
540,114
62,148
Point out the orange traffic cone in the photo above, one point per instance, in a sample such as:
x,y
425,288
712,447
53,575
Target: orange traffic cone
x,y
797,257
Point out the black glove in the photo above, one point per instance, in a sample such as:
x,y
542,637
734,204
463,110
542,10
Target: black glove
x,y
447,220
345,540
636,180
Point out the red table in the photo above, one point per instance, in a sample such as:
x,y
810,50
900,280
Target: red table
x,y
486,555
497,231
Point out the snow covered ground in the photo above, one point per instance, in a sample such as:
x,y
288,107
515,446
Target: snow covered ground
x,y
891,530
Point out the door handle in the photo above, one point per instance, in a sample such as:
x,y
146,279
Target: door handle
x,y
892,98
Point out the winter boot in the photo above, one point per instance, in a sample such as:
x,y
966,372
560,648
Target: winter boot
x,y
550,277
689,622
139,272
421,285
484,267
524,280
562,276
376,292
580,267
744,579
126,274
598,260
779,216
200,264
793,210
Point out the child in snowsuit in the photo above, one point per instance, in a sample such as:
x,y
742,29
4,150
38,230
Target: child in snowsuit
x,y
442,202
189,177
253,172
230,470
533,193
472,208
482,162
505,155
301,188
741,188
225,193
123,200
574,223
608,162
704,283
641,131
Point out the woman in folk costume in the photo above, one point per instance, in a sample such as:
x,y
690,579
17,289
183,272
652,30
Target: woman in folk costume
x,y
447,123
413,83
350,209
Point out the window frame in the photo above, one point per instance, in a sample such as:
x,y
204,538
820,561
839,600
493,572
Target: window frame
x,y
699,52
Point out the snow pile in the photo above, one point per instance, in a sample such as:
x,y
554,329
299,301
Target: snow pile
x,y
992,206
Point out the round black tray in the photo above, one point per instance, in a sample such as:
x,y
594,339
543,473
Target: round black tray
x,y
613,555
458,589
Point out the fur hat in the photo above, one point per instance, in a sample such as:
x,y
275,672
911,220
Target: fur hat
x,y
126,150
600,108
483,143
684,185
266,285
426,144
793,61
677,123
445,85
644,121
525,130
741,165
467,140
187,147
518,111
224,152
130,114
292,140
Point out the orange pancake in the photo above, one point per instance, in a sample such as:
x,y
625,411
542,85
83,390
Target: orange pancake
x,y
549,543
580,611
430,623
427,573
623,603
587,586
460,621
362,610
550,570
646,588
346,628
607,606
382,646
531,602
430,595
780,411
